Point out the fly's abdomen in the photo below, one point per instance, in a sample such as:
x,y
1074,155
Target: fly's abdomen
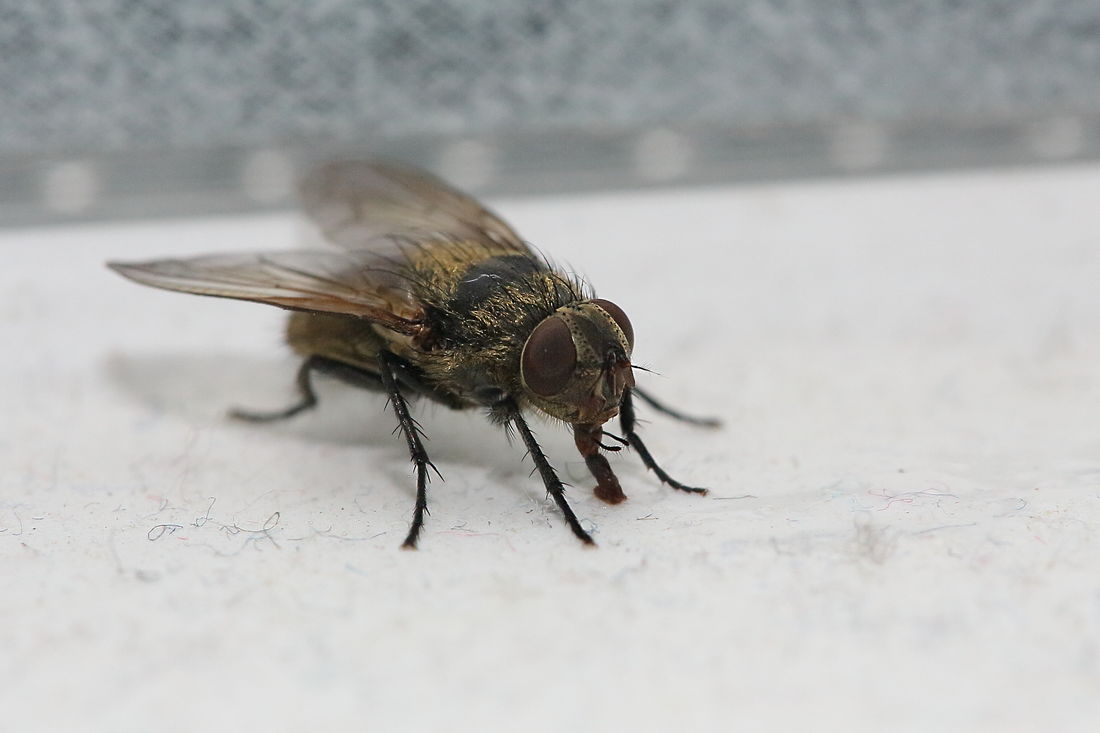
x,y
345,339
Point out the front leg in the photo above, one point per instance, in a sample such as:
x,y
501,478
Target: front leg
x,y
587,437
626,420
554,486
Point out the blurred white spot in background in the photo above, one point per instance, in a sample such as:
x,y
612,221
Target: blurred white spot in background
x,y
1058,137
70,187
662,155
857,147
467,164
267,177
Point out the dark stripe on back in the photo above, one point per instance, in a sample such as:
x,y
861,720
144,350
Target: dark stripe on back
x,y
483,280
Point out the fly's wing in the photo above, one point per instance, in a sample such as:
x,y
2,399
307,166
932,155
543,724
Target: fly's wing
x,y
352,283
371,205
377,214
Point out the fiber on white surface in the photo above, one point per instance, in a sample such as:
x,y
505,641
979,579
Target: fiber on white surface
x,y
902,532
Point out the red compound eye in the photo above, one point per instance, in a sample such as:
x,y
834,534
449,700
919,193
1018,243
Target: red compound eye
x,y
619,317
549,358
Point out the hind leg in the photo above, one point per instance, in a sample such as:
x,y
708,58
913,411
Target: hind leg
x,y
307,397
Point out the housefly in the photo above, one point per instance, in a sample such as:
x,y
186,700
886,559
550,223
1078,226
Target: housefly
x,y
423,292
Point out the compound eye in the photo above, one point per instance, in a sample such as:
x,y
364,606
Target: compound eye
x,y
619,317
549,357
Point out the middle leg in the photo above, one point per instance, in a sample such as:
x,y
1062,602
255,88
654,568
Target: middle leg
x,y
389,374
703,422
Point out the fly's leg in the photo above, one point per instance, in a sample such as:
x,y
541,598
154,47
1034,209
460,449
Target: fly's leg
x,y
626,420
308,398
411,431
305,391
705,422
391,376
587,437
554,486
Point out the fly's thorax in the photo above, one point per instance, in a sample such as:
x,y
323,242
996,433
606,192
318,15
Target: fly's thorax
x,y
575,365
489,300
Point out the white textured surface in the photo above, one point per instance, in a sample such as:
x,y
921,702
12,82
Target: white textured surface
x,y
910,374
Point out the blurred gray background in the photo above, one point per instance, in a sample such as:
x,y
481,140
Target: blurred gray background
x,y
138,107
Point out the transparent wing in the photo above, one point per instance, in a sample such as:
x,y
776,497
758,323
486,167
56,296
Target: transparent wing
x,y
353,283
361,204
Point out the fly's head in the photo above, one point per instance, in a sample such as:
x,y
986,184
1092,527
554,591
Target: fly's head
x,y
576,362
